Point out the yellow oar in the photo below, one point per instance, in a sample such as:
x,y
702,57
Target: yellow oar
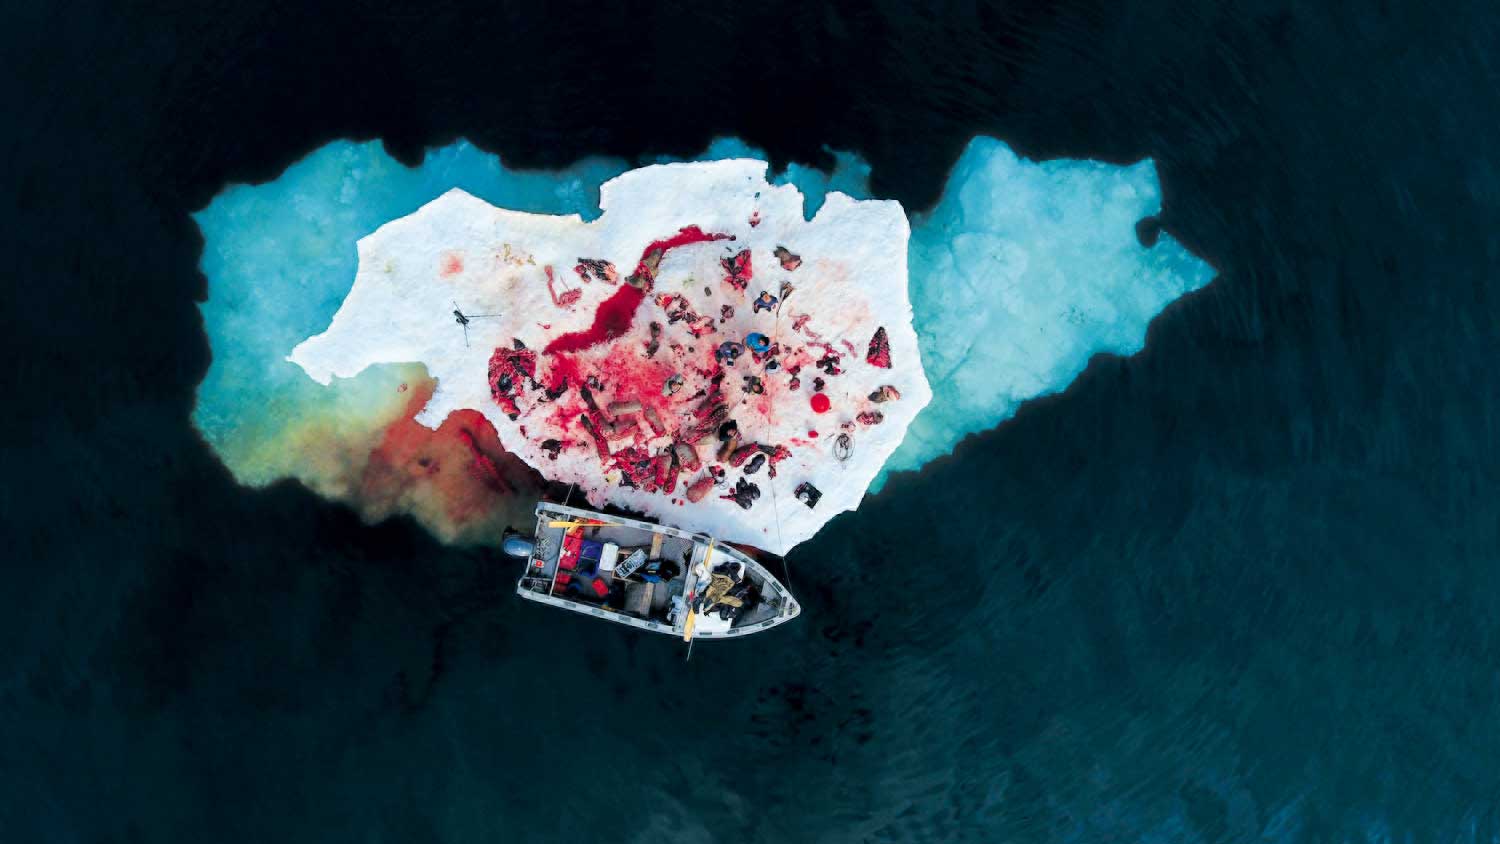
x,y
692,617
581,524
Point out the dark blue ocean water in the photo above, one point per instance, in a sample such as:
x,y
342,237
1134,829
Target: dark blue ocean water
x,y
1240,587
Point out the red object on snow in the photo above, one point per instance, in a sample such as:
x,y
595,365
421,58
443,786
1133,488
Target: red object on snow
x,y
700,488
880,350
685,236
789,260
567,298
820,403
738,270
509,370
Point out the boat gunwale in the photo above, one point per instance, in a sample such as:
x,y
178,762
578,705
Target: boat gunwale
x,y
790,607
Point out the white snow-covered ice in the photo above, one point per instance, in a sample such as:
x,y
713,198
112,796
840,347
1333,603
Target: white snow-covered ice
x,y
842,276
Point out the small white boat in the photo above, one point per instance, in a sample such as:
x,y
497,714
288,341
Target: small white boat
x,y
647,575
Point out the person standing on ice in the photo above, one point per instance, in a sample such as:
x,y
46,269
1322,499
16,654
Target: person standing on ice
x,y
728,352
757,342
764,302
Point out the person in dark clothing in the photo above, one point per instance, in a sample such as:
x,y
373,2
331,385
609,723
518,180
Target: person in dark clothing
x,y
745,494
728,352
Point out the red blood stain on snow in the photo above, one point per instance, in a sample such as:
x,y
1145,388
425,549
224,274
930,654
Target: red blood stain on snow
x,y
613,316
562,371
684,237
820,403
629,375
813,434
451,264
562,417
611,320
623,375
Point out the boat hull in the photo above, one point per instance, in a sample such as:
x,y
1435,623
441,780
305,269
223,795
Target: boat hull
x,y
664,608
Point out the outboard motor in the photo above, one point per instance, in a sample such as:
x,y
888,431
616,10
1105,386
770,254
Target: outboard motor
x,y
516,545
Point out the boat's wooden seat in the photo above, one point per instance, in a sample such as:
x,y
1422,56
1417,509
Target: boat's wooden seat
x,y
638,598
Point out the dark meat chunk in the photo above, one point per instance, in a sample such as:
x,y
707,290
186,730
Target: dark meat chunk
x,y
652,419
687,456
741,454
789,261
738,270
509,370
718,414
880,350
589,269
699,488
745,494
601,445
654,343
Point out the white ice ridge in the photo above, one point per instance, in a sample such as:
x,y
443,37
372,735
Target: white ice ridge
x,y
698,237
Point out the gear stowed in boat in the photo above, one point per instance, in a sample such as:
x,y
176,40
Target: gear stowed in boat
x,y
646,575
